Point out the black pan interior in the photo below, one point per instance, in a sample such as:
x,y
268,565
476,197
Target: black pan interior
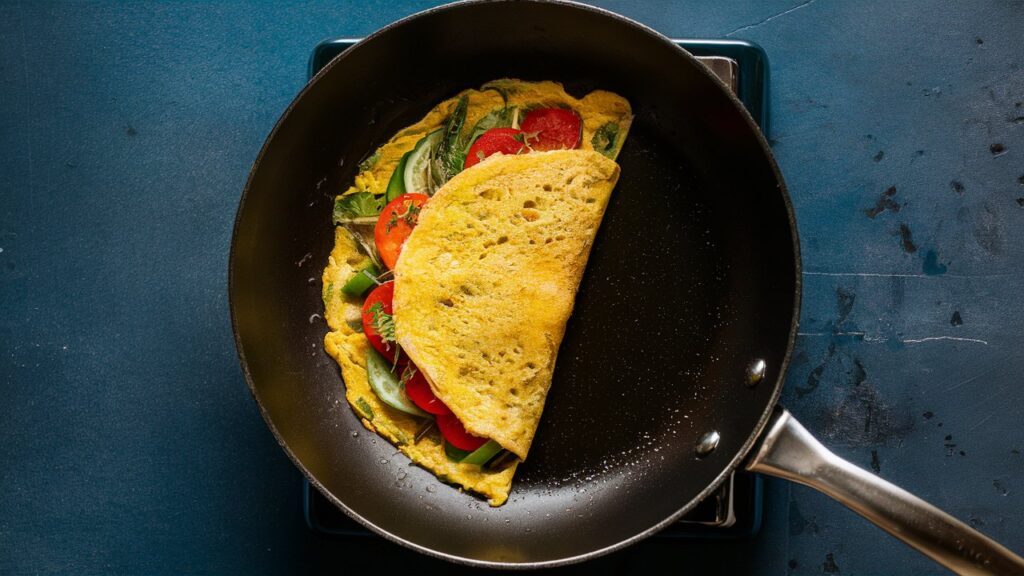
x,y
692,277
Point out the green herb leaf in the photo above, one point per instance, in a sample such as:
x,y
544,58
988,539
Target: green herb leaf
x,y
403,438
383,323
604,139
449,158
370,161
411,214
358,205
364,408
503,90
498,118
328,291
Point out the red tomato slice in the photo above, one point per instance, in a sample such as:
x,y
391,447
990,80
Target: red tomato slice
x,y
421,395
383,295
556,128
394,225
455,433
493,141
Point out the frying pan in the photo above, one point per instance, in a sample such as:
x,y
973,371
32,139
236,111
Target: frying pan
x,y
673,361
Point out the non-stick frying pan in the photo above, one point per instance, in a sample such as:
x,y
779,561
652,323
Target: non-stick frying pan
x,y
673,361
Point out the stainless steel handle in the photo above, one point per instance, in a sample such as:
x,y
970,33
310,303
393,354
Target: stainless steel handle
x,y
789,451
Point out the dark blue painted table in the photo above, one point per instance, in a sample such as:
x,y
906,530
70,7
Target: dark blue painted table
x,y
130,443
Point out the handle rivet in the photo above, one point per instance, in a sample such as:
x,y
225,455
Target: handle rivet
x,y
755,373
707,443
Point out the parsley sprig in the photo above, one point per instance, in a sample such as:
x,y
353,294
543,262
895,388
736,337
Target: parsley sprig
x,y
384,325
411,214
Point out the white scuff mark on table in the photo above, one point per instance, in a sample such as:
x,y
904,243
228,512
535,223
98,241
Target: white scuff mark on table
x,y
953,338
772,17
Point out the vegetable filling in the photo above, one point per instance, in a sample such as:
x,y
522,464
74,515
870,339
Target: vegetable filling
x,y
382,223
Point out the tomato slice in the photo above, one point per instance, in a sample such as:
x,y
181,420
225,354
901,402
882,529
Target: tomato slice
x,y
382,295
556,128
455,433
418,390
394,225
504,140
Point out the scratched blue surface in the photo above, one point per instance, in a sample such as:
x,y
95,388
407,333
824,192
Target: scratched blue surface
x,y
130,443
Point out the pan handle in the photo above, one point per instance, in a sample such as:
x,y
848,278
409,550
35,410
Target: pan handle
x,y
789,451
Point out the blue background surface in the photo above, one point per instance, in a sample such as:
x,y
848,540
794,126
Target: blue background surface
x,y
130,443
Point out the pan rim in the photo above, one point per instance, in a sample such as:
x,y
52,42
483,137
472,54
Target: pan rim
x,y
778,383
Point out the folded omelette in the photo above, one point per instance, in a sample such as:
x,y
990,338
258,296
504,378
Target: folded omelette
x,y
485,281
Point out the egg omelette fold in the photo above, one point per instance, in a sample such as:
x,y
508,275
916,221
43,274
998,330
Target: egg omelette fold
x,y
487,280
535,193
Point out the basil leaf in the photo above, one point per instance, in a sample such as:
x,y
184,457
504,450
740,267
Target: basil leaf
x,y
448,159
499,118
358,205
604,139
